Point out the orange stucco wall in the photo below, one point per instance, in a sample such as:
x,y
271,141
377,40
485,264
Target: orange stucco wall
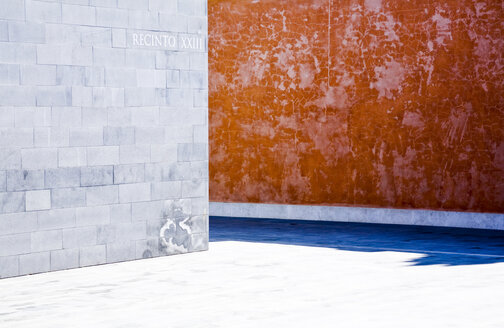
x,y
388,103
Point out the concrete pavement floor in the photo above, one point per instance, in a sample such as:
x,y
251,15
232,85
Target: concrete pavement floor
x,y
277,275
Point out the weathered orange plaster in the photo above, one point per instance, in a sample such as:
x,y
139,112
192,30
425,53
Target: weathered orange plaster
x,y
388,103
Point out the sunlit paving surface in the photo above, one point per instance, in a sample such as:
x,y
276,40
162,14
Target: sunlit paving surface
x,y
267,273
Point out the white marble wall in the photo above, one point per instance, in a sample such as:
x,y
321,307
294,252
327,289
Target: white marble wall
x,y
360,214
103,141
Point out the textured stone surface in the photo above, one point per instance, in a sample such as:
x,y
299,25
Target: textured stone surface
x,y
81,96
383,103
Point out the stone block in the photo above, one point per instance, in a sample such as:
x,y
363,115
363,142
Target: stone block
x,y
104,3
165,6
18,53
108,155
154,227
200,98
17,96
108,97
90,216
29,117
9,74
12,202
16,223
200,170
150,135
3,181
194,188
163,153
20,180
51,137
198,79
64,54
109,57
198,224
134,154
192,7
120,213
10,159
46,240
27,32
145,116
200,134
82,96
79,15
64,259
145,211
66,116
136,192
112,17
68,197
59,34
147,248
70,75
95,76
4,31
79,237
56,219
96,36
120,77
15,244
16,137
200,206
140,58
72,157
115,233
102,195
119,116
129,173
54,96
34,263
150,78
119,135
62,177
143,20
197,25
93,255
37,200
43,12
7,116
120,251
184,152
179,98
86,137
94,117
199,242
198,61
119,38
172,78
12,9
166,190
134,4
171,22
9,266
141,97
154,171
97,176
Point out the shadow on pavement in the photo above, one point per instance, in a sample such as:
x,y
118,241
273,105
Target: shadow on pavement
x,y
447,246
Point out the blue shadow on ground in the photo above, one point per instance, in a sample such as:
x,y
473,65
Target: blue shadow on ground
x,y
447,246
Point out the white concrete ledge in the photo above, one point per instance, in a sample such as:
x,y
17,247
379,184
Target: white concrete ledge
x,y
360,214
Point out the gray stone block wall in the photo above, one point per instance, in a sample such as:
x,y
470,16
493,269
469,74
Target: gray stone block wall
x,y
103,132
